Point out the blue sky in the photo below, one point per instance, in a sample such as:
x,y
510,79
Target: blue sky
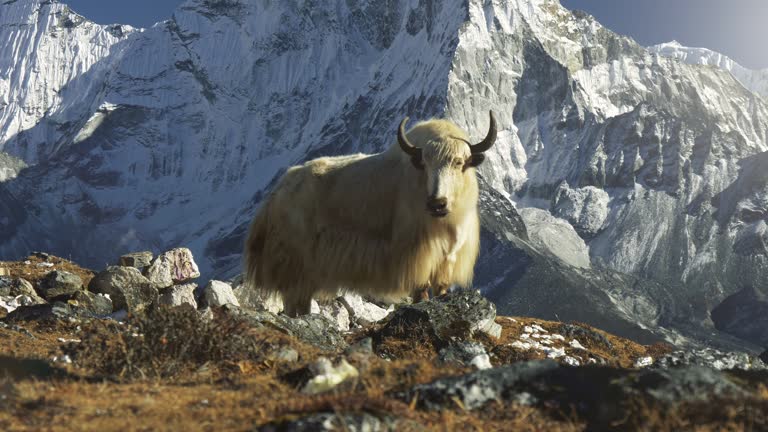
x,y
737,28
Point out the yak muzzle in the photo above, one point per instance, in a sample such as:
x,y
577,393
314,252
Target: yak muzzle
x,y
437,207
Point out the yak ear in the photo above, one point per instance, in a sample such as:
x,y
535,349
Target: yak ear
x,y
475,160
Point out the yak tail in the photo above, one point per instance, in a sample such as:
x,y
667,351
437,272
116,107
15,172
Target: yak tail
x,y
254,251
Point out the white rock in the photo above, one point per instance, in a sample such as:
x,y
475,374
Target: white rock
x,y
554,353
218,293
63,359
175,266
643,362
328,376
11,303
571,361
362,311
482,361
178,295
576,344
521,345
490,328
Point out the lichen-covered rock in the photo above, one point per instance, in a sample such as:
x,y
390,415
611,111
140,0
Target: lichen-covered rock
x,y
139,260
127,288
175,266
456,315
5,285
314,329
178,295
88,303
58,284
41,312
712,358
218,293
475,389
599,394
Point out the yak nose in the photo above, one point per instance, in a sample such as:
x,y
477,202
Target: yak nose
x,y
437,206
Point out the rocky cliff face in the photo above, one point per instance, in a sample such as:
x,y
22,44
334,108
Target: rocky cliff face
x,y
639,176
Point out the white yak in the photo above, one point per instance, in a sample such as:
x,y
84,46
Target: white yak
x,y
388,224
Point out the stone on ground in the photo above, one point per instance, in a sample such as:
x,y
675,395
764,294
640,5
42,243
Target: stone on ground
x,y
362,312
457,315
59,283
127,288
88,303
218,293
139,260
178,295
333,310
175,266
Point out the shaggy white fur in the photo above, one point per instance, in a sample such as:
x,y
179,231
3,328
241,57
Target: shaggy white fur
x,y
360,222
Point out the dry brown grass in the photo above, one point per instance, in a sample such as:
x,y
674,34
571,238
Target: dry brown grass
x,y
35,271
622,353
182,373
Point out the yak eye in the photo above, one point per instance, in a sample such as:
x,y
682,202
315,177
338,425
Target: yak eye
x,y
458,163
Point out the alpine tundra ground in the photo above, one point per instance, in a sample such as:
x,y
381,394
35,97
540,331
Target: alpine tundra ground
x,y
424,367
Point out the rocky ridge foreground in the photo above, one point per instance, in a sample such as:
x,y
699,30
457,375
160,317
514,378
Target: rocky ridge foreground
x,y
124,129
450,362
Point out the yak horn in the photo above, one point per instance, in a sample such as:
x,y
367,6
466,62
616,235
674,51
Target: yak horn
x,y
404,143
485,144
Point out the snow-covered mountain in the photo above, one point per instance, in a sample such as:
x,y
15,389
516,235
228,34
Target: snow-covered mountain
x,y
642,202
755,80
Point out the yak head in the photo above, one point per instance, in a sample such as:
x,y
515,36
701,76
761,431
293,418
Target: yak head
x,y
447,160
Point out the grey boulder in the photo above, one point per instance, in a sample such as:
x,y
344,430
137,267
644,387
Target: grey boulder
x,y
139,260
455,315
60,284
218,293
178,295
127,288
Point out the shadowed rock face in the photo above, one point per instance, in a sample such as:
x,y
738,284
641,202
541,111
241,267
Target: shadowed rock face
x,y
744,314
157,138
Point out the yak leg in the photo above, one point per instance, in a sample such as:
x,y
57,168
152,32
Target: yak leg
x,y
441,289
420,294
295,307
